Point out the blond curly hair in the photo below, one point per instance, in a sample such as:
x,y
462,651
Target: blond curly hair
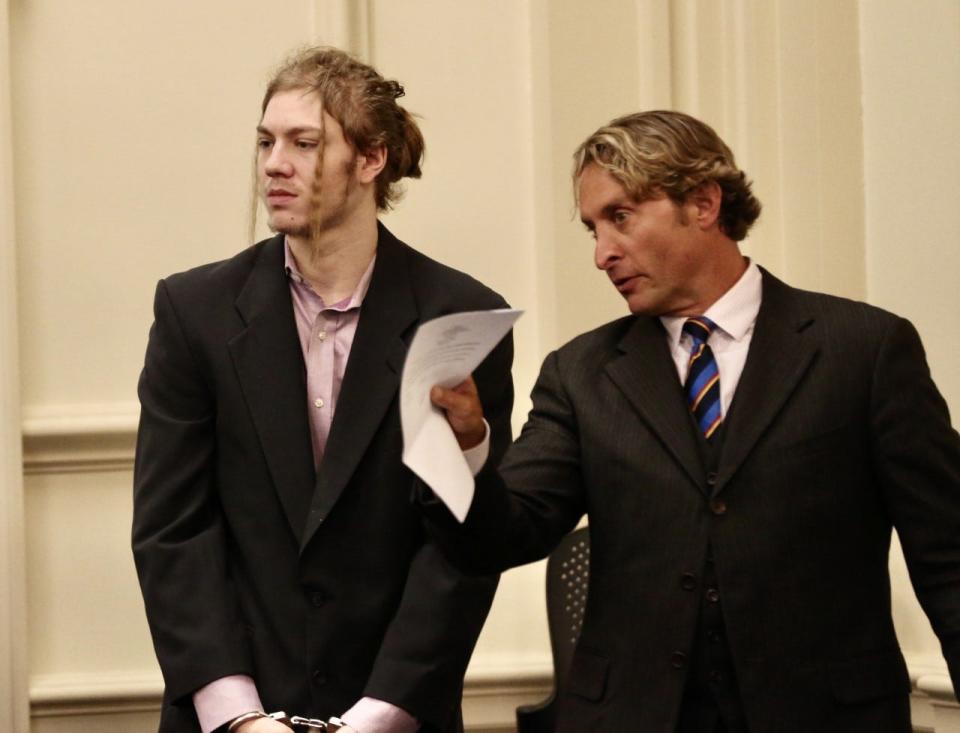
x,y
671,153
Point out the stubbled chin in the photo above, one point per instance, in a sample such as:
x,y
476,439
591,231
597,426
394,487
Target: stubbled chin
x,y
287,225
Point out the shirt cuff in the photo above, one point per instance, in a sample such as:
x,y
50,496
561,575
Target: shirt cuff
x,y
224,699
478,455
370,715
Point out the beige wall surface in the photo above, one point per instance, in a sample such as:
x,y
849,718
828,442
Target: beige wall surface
x,y
132,124
131,131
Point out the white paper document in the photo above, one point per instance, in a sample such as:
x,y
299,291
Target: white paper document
x,y
444,351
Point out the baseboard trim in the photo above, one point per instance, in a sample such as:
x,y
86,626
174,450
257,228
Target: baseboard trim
x,y
490,697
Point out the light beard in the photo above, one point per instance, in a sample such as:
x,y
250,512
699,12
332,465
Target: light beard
x,y
298,230
323,218
313,229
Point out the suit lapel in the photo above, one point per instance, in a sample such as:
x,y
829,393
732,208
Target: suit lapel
x,y
781,351
645,373
372,377
269,364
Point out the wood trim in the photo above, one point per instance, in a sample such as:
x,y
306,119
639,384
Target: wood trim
x,y
345,24
13,651
79,438
491,693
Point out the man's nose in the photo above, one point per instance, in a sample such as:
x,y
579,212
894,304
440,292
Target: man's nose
x,y
277,163
606,252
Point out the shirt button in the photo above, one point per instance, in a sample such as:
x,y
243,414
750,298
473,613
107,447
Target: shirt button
x,y
688,581
713,595
318,402
678,660
322,335
718,507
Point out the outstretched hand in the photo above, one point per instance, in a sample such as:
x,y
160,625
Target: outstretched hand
x,y
463,410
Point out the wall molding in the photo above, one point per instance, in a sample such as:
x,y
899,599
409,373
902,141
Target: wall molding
x,y
79,438
13,613
345,24
491,692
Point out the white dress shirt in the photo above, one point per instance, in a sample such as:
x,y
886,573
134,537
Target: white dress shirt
x,y
735,314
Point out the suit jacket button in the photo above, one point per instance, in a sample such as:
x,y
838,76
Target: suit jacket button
x,y
678,660
713,595
718,507
688,581
319,678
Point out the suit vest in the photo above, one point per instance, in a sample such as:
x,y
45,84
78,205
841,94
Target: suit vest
x,y
711,700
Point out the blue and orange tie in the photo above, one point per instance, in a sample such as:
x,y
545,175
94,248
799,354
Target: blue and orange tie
x,y
703,379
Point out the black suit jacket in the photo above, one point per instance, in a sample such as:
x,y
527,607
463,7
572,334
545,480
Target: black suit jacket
x,y
836,434
320,584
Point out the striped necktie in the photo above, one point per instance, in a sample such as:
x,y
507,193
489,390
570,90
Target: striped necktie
x,y
703,379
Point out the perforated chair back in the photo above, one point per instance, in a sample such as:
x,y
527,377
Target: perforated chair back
x,y
568,575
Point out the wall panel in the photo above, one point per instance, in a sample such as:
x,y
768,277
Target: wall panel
x,y
133,125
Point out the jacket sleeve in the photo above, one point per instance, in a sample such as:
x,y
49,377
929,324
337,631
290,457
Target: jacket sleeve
x,y
179,541
424,655
917,455
523,507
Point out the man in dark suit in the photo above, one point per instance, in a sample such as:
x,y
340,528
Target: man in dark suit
x,y
282,563
742,450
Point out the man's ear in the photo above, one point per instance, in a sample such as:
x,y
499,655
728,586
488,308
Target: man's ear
x,y
706,199
370,162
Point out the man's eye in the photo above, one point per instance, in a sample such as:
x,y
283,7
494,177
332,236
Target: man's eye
x,y
306,144
263,143
620,216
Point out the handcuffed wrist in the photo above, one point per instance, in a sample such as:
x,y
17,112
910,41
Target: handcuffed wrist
x,y
241,719
295,723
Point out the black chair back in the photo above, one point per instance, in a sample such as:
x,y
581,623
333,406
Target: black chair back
x,y
568,574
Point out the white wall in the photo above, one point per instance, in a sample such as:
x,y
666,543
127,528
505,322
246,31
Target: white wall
x,y
131,138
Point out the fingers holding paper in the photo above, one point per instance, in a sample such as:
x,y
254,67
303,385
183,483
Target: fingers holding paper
x,y
464,413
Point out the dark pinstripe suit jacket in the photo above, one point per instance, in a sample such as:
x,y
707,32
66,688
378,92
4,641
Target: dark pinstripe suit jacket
x,y
836,434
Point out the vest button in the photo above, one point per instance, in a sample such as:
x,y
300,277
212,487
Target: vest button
x,y
316,598
688,581
718,507
713,595
712,478
678,660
